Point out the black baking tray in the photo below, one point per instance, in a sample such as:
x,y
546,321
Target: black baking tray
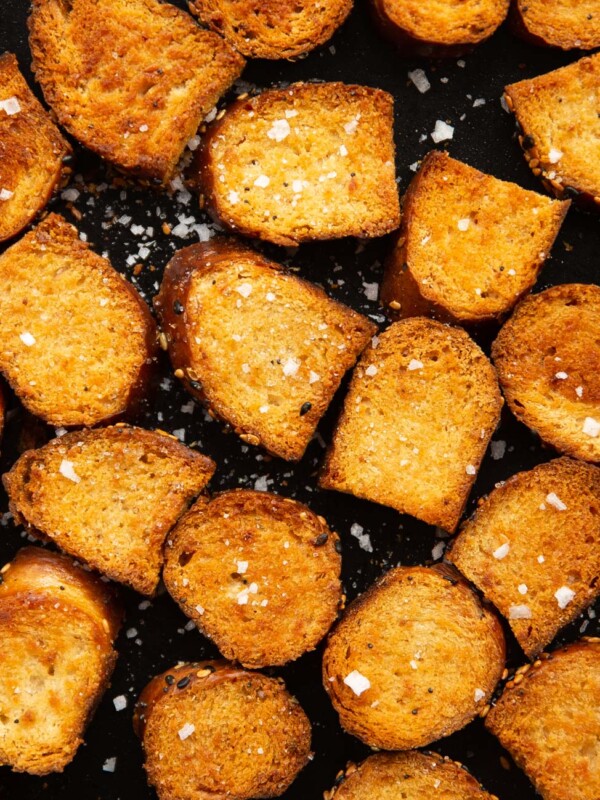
x,y
155,635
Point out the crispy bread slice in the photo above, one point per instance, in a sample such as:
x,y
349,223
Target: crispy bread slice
x,y
264,349
413,659
57,627
131,79
422,406
559,117
548,719
212,731
312,161
533,548
273,28
108,496
469,246
548,362
258,573
31,151
568,24
77,342
410,776
441,28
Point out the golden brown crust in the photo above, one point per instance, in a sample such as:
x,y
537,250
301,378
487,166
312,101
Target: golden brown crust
x,y
80,349
138,102
548,363
239,734
417,457
558,115
258,573
58,625
532,537
231,349
443,30
430,652
567,24
410,775
273,28
454,259
547,718
31,153
60,490
260,166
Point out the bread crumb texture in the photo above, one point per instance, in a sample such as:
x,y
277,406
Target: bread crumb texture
x,y
548,362
273,28
130,79
444,27
469,246
547,719
559,116
421,408
31,151
57,627
212,731
533,537
76,342
264,349
411,776
312,161
568,24
428,652
258,573
63,490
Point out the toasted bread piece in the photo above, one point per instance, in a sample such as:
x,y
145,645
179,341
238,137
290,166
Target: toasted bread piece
x,y
57,627
547,718
559,117
568,24
273,28
258,573
441,28
265,350
31,151
108,496
469,245
213,731
422,406
534,537
415,658
410,776
131,79
312,161
548,363
77,342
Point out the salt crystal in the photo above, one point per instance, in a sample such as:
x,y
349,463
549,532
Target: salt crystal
x,y
5,194
555,155
364,540
470,469
371,370
110,764
463,224
350,127
66,470
27,339
553,500
186,731
10,106
120,702
519,612
279,130
262,181
413,364
420,80
479,694
502,551
564,595
244,289
442,131
357,682
591,427
291,367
